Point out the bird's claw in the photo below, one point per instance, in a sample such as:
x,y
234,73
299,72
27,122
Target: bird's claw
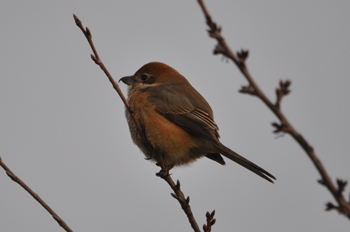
x,y
164,171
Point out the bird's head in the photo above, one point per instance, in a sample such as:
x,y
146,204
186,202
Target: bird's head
x,y
153,74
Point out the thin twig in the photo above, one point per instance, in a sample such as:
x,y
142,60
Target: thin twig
x,y
178,195
210,221
96,58
36,196
284,126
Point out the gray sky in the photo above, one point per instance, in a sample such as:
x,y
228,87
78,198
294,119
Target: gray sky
x,y
64,133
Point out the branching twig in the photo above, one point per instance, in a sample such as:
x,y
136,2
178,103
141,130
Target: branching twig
x,y
36,196
282,91
284,125
210,221
178,195
164,173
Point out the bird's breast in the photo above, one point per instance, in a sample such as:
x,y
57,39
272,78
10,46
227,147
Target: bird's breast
x,y
168,140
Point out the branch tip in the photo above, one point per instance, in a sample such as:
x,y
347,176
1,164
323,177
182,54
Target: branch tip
x,y
321,182
219,49
77,20
178,184
205,228
279,127
174,196
207,214
243,55
248,89
341,186
330,206
93,57
210,221
212,214
88,33
282,91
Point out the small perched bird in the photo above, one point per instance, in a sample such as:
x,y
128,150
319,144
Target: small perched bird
x,y
176,122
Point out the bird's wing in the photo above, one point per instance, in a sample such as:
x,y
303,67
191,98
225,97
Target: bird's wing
x,y
179,109
196,122
195,117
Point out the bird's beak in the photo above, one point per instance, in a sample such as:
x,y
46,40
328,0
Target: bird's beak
x,y
129,80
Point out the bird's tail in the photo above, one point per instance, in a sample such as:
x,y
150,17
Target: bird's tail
x,y
227,152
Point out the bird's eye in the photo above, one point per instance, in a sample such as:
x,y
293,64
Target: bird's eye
x,y
144,77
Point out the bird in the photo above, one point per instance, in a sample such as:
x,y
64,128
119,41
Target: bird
x,y
171,122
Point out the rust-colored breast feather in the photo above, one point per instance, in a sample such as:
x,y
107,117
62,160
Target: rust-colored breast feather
x,y
169,141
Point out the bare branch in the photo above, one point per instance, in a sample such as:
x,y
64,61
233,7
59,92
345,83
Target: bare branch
x,y
95,57
178,194
210,221
248,90
36,196
284,125
282,91
98,61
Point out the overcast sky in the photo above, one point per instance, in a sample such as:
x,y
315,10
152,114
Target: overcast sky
x,y
63,130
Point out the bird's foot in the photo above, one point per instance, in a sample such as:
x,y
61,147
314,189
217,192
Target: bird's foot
x,y
164,170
